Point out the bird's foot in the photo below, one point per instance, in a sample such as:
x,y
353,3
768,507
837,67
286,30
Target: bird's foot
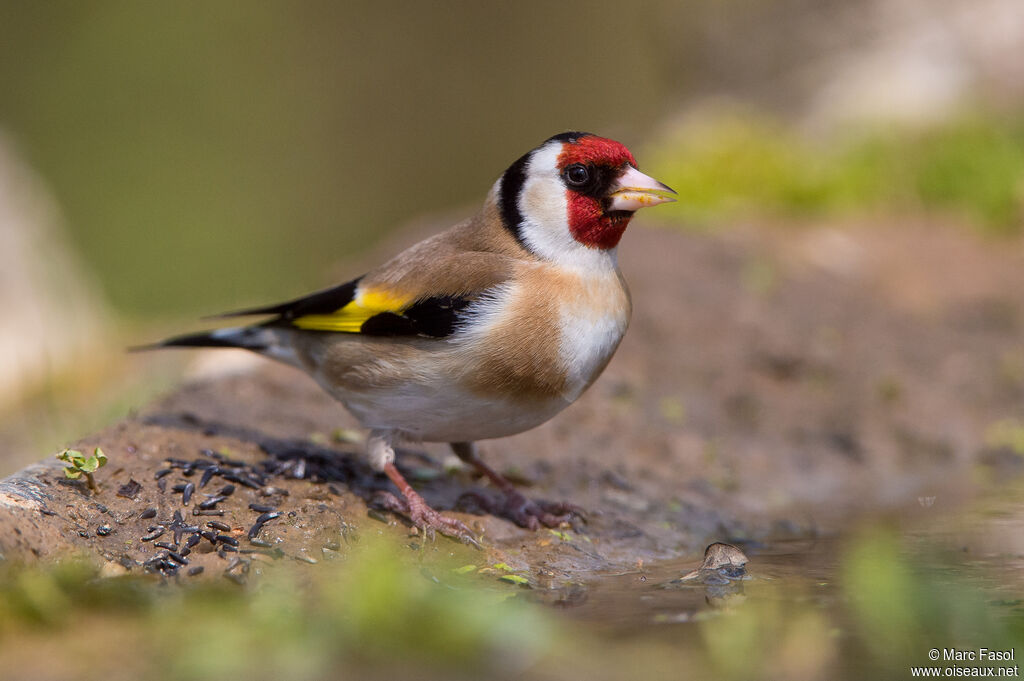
x,y
426,518
526,512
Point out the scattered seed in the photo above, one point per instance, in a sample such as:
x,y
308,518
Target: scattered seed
x,y
165,545
230,541
241,480
186,494
217,525
100,507
148,513
177,557
212,536
162,565
83,534
226,490
207,511
180,487
262,508
192,572
161,485
181,529
158,532
192,541
211,502
306,559
161,473
103,530
255,541
207,475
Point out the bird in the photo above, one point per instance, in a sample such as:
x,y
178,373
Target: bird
x,y
482,331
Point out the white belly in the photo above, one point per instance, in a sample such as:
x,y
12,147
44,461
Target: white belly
x,y
446,413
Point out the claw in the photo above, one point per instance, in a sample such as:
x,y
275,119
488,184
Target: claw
x,y
516,507
427,519
525,512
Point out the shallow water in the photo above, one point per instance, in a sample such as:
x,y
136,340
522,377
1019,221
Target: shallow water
x,y
870,601
654,596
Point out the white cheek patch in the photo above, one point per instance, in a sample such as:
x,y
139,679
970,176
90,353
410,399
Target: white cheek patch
x,y
545,210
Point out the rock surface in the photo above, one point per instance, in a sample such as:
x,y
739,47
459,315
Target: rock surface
x,y
774,384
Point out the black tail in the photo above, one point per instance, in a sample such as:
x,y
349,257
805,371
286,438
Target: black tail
x,y
247,337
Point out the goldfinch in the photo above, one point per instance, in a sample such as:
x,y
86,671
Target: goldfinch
x,y
482,331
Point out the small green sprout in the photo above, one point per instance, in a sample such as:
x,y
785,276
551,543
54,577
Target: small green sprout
x,y
78,465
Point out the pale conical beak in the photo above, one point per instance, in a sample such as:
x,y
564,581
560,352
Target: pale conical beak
x,y
634,190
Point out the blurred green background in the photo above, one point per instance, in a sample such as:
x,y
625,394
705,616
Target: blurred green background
x,y
212,154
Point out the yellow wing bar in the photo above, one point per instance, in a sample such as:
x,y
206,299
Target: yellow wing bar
x,y
350,318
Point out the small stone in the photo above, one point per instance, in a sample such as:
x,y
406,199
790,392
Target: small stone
x,y
129,490
112,569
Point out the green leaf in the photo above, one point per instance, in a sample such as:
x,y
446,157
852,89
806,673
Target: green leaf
x,y
90,465
514,579
72,473
100,456
70,455
465,569
564,536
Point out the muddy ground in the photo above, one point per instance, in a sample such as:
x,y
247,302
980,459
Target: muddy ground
x,y
775,383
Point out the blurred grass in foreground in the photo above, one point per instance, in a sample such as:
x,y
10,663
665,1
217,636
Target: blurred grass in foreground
x,y
727,164
379,614
375,611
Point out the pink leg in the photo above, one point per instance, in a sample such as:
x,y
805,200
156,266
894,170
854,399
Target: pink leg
x,y
421,514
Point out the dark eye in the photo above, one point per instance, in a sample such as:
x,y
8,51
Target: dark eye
x,y
577,175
